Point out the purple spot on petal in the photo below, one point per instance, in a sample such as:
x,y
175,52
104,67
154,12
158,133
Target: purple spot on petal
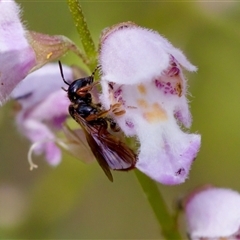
x,y
174,71
120,99
166,87
158,84
110,85
178,115
118,92
181,171
237,236
129,124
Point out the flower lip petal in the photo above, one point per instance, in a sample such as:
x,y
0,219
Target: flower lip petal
x,y
170,164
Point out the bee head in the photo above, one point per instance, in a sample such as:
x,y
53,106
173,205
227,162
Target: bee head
x,y
78,89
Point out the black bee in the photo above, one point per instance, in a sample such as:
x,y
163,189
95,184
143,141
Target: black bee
x,y
110,152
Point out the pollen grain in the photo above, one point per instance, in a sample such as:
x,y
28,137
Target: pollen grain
x,y
142,103
156,114
142,89
49,55
178,87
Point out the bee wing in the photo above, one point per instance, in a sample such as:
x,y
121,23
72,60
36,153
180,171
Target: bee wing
x,y
117,154
93,144
109,151
75,143
98,150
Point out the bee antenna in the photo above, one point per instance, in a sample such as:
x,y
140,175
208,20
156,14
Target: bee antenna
x,y
61,71
95,70
64,89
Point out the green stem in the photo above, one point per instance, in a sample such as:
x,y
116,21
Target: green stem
x,y
84,33
166,220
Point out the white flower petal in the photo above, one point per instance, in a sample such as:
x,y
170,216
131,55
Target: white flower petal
x,y
213,213
142,55
141,71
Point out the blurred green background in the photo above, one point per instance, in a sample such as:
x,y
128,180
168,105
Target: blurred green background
x,y
75,200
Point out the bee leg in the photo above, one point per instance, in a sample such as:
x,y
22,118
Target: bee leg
x,y
117,109
84,90
96,116
116,106
103,114
113,125
103,126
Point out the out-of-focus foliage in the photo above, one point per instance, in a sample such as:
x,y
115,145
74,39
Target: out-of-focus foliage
x,y
75,200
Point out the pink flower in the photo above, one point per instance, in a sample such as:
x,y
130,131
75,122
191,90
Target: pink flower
x,y
44,105
43,114
23,51
44,109
213,213
17,57
142,76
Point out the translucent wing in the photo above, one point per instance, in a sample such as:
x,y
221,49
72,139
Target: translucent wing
x,y
110,152
75,143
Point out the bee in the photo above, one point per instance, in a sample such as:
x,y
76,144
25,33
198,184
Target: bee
x,y
110,152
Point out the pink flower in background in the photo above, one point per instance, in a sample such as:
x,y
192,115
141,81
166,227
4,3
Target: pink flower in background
x,y
142,71
213,213
44,109
44,105
17,57
23,51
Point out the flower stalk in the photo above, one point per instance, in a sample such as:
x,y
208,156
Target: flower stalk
x,y
167,223
84,33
